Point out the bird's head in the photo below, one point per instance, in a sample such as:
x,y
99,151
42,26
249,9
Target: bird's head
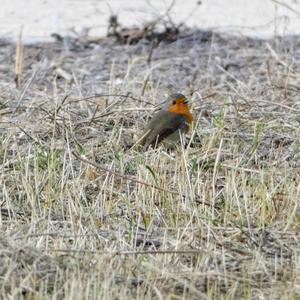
x,y
179,104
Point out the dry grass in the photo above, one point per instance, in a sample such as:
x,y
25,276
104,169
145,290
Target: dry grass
x,y
72,231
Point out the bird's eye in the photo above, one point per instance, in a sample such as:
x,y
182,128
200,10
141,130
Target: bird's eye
x,y
174,102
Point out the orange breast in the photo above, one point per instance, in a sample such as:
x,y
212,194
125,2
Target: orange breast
x,y
182,109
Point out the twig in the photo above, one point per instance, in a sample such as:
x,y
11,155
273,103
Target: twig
x,y
19,58
113,95
28,84
142,252
287,6
129,178
64,74
25,132
276,57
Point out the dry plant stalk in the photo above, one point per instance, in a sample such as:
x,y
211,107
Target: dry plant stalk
x,y
19,58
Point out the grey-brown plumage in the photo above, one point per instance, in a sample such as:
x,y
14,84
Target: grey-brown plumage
x,y
169,126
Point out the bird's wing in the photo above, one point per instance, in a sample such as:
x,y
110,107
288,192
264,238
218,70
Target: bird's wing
x,y
161,126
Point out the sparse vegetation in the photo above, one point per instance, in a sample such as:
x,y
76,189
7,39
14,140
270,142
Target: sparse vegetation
x,y
216,220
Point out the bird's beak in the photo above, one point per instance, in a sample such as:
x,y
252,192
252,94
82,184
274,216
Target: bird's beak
x,y
186,101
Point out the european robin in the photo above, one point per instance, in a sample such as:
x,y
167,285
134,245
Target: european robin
x,y
167,125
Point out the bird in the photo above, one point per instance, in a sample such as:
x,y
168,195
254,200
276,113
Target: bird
x,y
167,125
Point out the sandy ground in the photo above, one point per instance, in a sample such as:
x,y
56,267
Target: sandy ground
x,y
40,18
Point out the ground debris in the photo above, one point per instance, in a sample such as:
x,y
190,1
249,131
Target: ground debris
x,y
72,229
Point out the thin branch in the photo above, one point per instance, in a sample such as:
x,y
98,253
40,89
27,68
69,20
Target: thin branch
x,y
142,252
129,178
286,6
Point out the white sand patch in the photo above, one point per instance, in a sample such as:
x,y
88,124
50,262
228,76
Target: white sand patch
x,y
40,18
